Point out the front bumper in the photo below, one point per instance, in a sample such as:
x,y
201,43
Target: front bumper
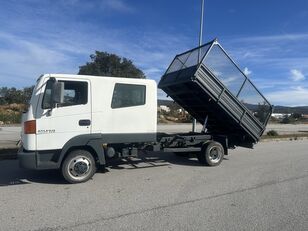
x,y
27,159
37,159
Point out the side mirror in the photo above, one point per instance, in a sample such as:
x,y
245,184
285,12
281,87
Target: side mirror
x,y
57,92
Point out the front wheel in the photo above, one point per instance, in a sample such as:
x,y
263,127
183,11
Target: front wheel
x,y
211,154
79,166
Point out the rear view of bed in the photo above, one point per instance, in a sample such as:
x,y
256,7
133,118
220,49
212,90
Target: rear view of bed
x,y
207,83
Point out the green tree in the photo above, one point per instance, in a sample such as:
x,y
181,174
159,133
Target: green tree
x,y
105,64
13,95
3,92
286,119
297,115
262,112
27,93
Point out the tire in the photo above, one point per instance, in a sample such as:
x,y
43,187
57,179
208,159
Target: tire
x,y
79,166
211,154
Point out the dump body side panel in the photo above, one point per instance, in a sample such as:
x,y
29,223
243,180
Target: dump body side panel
x,y
205,92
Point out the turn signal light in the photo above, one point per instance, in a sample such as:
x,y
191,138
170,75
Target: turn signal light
x,y
30,127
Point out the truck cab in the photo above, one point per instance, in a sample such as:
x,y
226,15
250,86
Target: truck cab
x,y
67,112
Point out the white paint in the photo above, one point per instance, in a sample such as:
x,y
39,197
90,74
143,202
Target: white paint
x,y
65,120
164,108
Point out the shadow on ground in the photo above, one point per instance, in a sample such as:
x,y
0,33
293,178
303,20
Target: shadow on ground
x,y
11,174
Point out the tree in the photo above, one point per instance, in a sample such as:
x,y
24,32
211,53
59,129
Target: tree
x,y
13,95
262,112
286,120
3,92
105,64
27,93
296,115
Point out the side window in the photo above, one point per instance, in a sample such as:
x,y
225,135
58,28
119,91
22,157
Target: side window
x,y
75,93
128,95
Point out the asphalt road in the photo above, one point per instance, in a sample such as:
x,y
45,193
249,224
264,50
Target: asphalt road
x,y
9,136
261,189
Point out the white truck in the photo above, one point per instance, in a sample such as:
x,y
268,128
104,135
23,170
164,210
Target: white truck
x,y
77,123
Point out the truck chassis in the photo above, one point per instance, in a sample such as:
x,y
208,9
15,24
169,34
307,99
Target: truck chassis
x,y
209,150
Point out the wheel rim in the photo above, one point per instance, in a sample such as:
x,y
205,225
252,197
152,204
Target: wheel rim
x,y
79,167
215,154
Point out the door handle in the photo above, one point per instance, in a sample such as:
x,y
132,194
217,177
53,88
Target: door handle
x,y
84,122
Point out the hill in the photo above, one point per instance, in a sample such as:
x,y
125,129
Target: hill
x,y
290,110
165,102
277,109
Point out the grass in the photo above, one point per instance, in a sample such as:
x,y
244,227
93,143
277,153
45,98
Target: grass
x,y
272,133
291,136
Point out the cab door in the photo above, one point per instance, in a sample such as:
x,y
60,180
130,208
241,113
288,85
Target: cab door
x,y
57,125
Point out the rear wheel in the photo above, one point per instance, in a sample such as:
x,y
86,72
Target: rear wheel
x,y
211,154
79,166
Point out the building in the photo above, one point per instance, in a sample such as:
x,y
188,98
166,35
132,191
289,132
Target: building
x,y
164,108
280,115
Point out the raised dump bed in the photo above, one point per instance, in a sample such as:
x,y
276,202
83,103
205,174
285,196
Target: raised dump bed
x,y
207,83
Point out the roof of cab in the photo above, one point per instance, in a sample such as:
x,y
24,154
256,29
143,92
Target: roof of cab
x,y
93,76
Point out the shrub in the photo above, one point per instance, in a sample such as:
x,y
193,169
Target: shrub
x,y
272,133
10,114
286,120
12,118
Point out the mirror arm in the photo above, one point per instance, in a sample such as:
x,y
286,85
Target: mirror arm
x,y
49,112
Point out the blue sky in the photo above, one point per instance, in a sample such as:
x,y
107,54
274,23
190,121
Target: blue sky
x,y
267,38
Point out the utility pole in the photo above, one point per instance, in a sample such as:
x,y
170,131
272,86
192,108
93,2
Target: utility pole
x,y
194,122
201,23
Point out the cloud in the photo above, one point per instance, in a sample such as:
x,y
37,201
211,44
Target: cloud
x,y
247,71
62,45
22,61
66,51
162,95
279,63
296,96
67,32
297,75
284,51
117,5
274,38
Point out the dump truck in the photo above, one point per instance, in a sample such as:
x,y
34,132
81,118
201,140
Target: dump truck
x,y
78,123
